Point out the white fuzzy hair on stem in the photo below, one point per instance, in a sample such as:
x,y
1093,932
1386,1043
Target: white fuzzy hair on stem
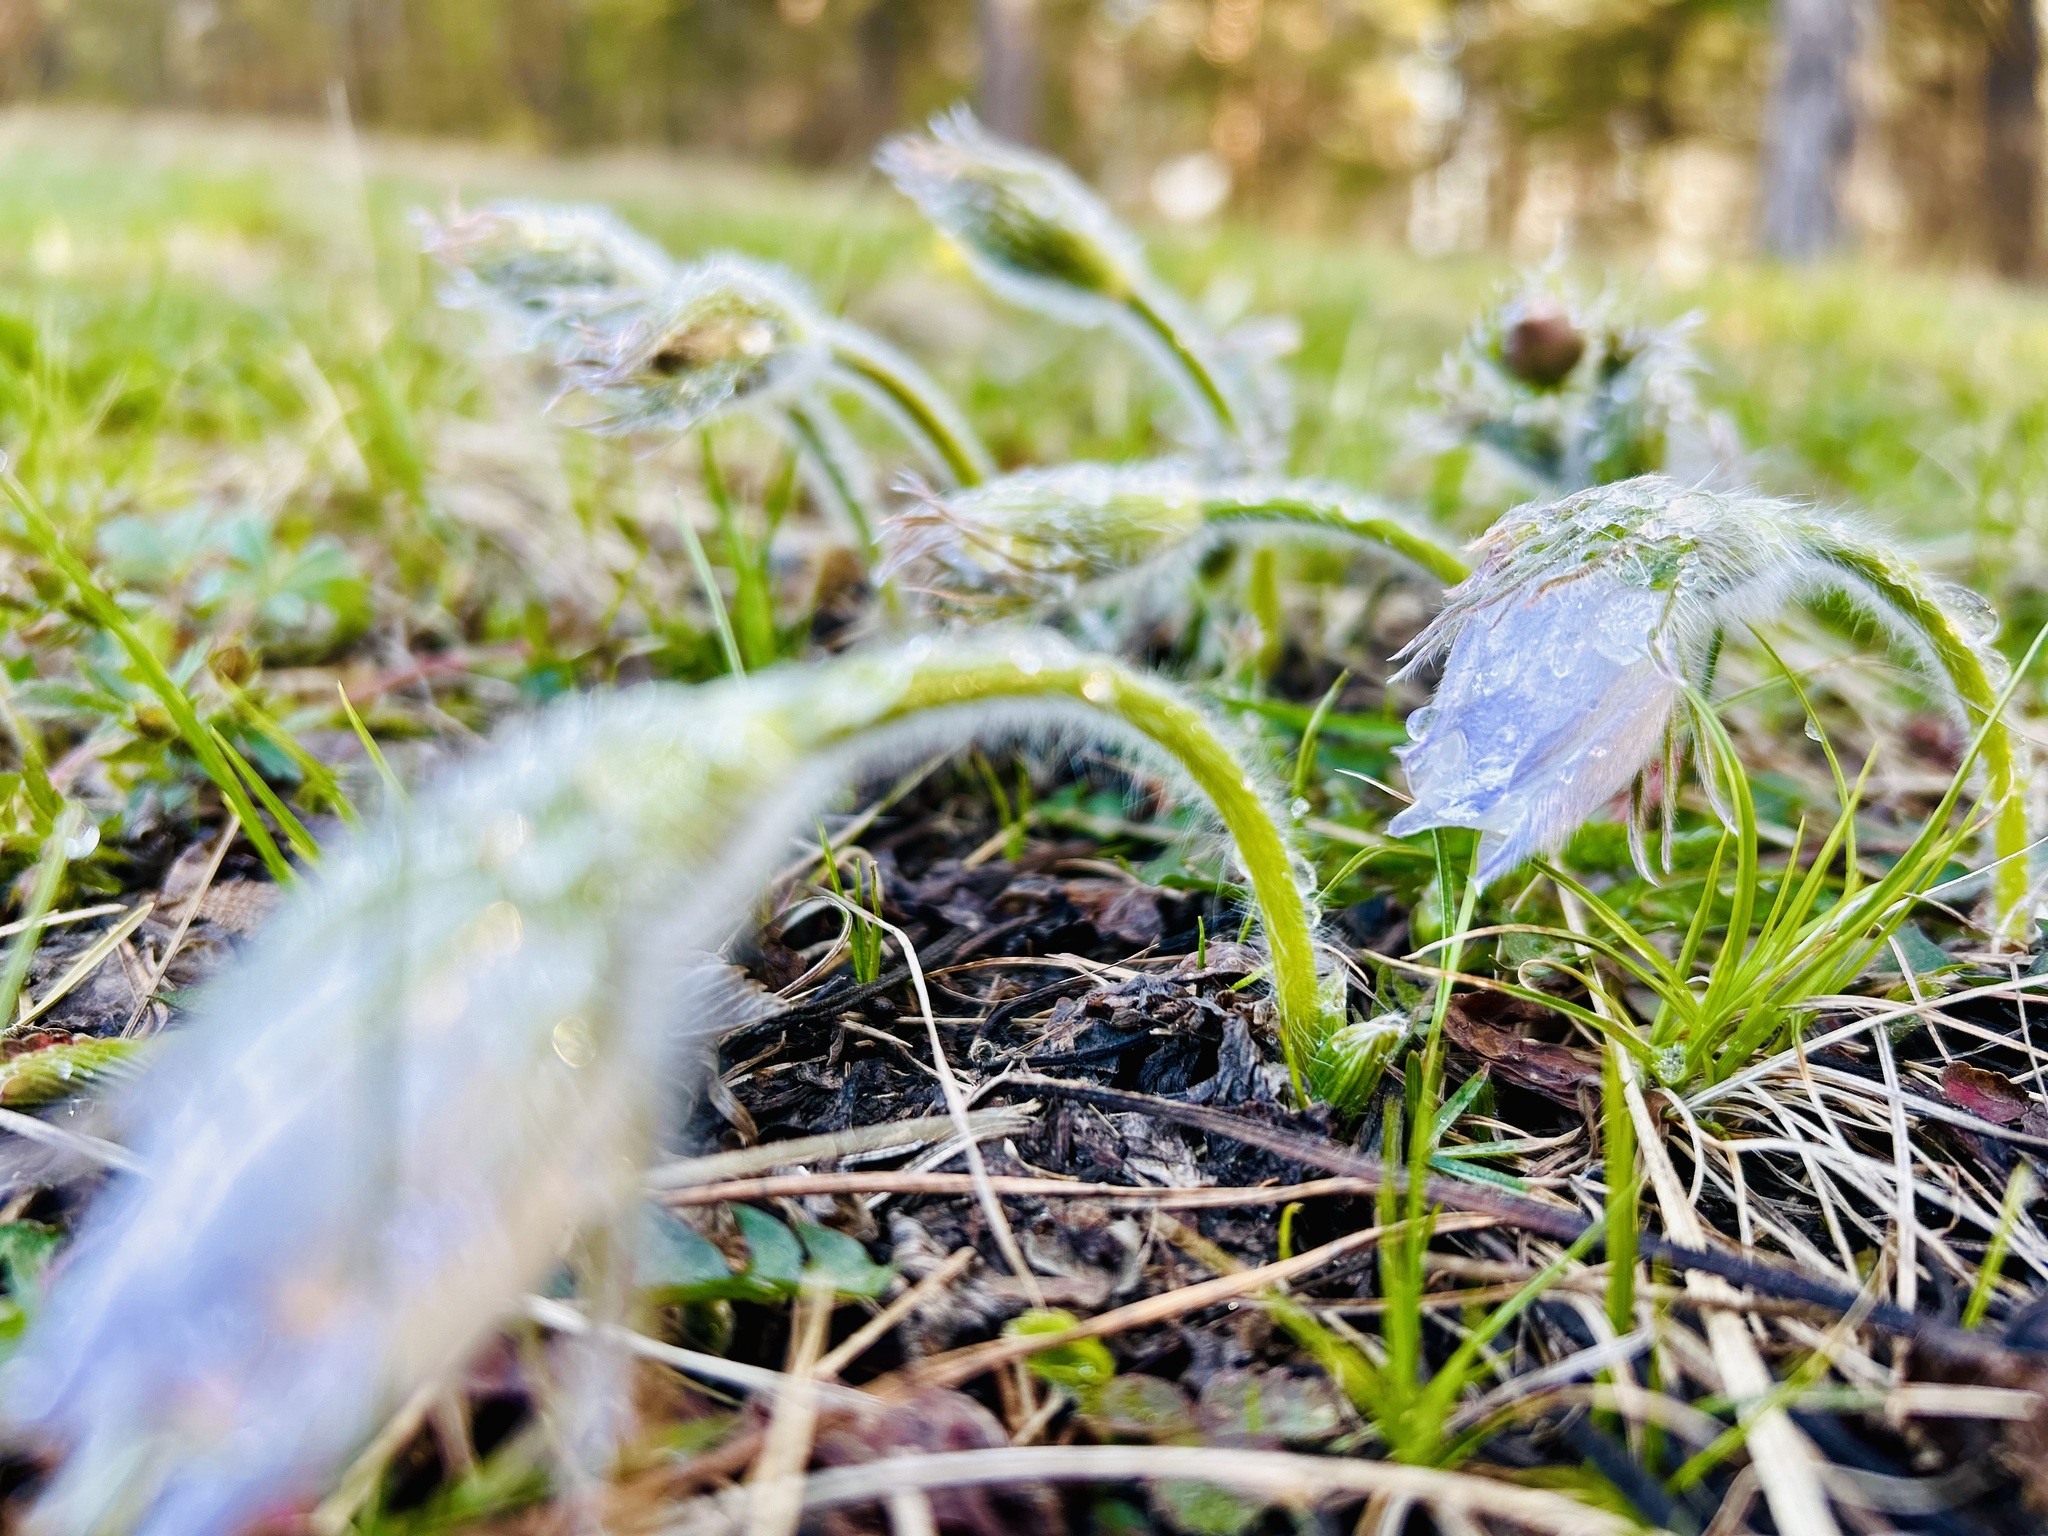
x,y
452,1054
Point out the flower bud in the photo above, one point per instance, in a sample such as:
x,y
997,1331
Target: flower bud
x,y
1026,222
1039,536
551,271
725,332
1541,347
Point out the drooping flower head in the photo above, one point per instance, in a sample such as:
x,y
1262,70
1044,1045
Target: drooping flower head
x,y
1036,234
1037,538
1567,651
643,345
725,332
1032,229
555,273
1570,392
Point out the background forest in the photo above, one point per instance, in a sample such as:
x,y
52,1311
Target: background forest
x,y
1684,128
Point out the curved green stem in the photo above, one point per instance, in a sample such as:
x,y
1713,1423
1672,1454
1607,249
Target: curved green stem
x,y
1905,590
1341,514
1188,359
1161,716
932,417
819,436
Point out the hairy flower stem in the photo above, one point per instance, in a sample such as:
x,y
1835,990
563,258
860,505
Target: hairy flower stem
x,y
921,404
1161,716
1338,515
1905,590
822,439
451,1054
1188,360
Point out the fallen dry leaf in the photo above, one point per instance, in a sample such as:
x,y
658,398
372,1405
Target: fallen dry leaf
x,y
1490,1025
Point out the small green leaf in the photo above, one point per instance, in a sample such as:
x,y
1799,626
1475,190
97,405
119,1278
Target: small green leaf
x,y
774,1257
25,1248
1926,957
679,1263
1203,1509
840,1262
1268,1408
1079,1366
1141,1408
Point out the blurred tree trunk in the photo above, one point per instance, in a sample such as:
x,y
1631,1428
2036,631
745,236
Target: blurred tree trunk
x,y
880,39
24,55
2012,138
1009,66
1812,126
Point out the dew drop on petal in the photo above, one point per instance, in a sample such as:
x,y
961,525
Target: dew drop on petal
x,y
572,1041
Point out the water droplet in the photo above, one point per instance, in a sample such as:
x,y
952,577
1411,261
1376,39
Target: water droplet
x,y
572,1042
1812,729
1299,809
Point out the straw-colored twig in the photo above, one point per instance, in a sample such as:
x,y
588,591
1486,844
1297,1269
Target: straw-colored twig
x,y
1275,1475
777,1483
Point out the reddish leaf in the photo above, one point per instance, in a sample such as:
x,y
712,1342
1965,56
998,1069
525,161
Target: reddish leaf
x,y
1984,1094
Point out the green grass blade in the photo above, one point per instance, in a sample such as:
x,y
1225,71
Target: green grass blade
x,y
49,542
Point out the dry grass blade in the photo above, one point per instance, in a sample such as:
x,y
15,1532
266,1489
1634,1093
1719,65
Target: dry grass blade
x,y
81,968
1275,1475
777,1483
956,1102
720,1168
185,920
560,1317
1786,1463
960,1365
92,1149
851,1349
912,1182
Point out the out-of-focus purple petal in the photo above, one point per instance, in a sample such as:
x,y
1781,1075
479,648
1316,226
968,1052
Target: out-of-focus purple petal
x,y
1551,701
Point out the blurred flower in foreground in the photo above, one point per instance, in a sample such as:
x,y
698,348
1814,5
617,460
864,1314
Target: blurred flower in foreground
x,y
1570,394
1040,238
1039,537
1568,650
451,1057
